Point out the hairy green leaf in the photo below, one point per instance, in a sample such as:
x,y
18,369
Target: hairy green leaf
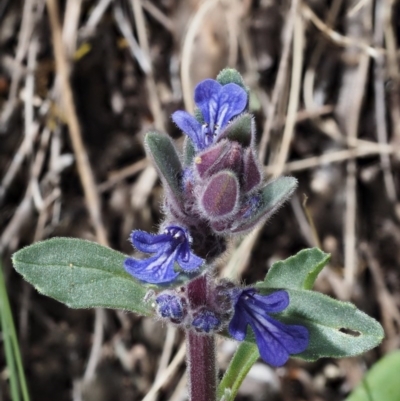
x,y
230,75
240,130
337,329
188,151
381,382
81,274
161,149
297,272
272,196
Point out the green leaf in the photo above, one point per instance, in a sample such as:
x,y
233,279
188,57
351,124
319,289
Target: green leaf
x,y
297,272
244,358
188,151
272,196
230,75
381,383
337,329
240,130
12,353
161,149
81,274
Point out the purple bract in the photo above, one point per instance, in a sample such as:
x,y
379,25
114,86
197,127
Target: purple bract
x,y
276,341
218,104
170,247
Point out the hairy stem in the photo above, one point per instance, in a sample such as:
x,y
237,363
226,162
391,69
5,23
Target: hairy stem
x,y
201,363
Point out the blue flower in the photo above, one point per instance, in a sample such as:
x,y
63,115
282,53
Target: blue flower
x,y
276,341
170,247
218,104
205,321
171,306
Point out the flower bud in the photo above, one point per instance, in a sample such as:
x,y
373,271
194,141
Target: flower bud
x,y
252,173
171,306
205,321
220,197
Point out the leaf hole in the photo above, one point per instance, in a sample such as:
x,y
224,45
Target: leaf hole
x,y
350,332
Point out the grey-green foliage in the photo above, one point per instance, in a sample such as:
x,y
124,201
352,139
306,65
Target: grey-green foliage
x,y
381,383
298,271
230,75
337,329
162,150
240,130
272,196
81,274
245,357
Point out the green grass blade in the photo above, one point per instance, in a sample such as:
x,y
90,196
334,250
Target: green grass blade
x,y
244,358
13,378
12,371
11,346
381,382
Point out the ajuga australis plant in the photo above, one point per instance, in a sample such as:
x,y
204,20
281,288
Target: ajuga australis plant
x,y
213,191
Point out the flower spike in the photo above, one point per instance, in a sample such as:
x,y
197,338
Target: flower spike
x,y
218,104
170,247
276,341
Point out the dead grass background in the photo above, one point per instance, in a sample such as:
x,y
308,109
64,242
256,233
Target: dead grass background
x,y
81,82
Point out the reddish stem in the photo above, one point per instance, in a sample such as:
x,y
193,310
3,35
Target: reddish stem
x,y
201,363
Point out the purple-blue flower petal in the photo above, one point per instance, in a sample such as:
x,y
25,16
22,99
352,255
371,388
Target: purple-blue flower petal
x,y
271,350
206,321
276,341
171,306
272,303
232,101
158,269
206,97
170,247
190,126
150,243
218,104
238,325
187,260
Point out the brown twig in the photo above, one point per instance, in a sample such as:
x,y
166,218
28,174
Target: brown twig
x,y
310,73
171,369
393,70
380,106
148,177
95,17
349,110
389,308
241,256
82,160
280,79
31,13
337,38
158,15
126,172
85,172
188,44
295,85
335,157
